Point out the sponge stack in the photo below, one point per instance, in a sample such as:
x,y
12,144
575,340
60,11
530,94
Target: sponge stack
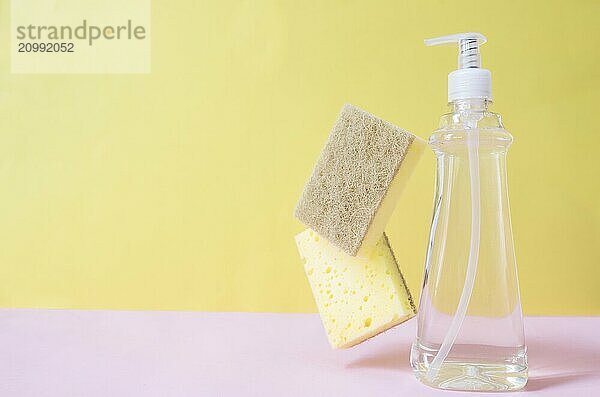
x,y
358,179
354,276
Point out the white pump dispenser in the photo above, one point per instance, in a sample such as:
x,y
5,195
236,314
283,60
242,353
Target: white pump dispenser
x,y
455,348
470,80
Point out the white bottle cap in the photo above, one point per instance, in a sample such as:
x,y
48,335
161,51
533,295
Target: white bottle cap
x,y
470,80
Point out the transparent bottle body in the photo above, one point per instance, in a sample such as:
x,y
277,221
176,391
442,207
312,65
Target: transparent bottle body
x,y
489,353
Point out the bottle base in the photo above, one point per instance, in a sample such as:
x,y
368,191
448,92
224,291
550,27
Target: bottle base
x,y
471,375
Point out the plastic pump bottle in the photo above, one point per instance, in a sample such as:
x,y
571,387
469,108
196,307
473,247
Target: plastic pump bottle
x,y
470,324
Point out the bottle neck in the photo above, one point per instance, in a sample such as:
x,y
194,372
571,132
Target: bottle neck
x,y
465,116
470,104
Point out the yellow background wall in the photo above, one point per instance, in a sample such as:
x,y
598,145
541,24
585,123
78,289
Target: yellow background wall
x,y
175,190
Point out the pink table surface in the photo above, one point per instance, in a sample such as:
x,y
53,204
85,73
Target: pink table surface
x,y
117,353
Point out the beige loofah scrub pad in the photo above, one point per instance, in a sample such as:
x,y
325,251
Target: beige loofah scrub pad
x,y
358,179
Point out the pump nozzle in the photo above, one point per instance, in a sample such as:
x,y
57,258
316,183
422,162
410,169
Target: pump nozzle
x,y
469,81
468,47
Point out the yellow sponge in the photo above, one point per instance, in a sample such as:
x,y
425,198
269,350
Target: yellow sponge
x,y
357,297
357,179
